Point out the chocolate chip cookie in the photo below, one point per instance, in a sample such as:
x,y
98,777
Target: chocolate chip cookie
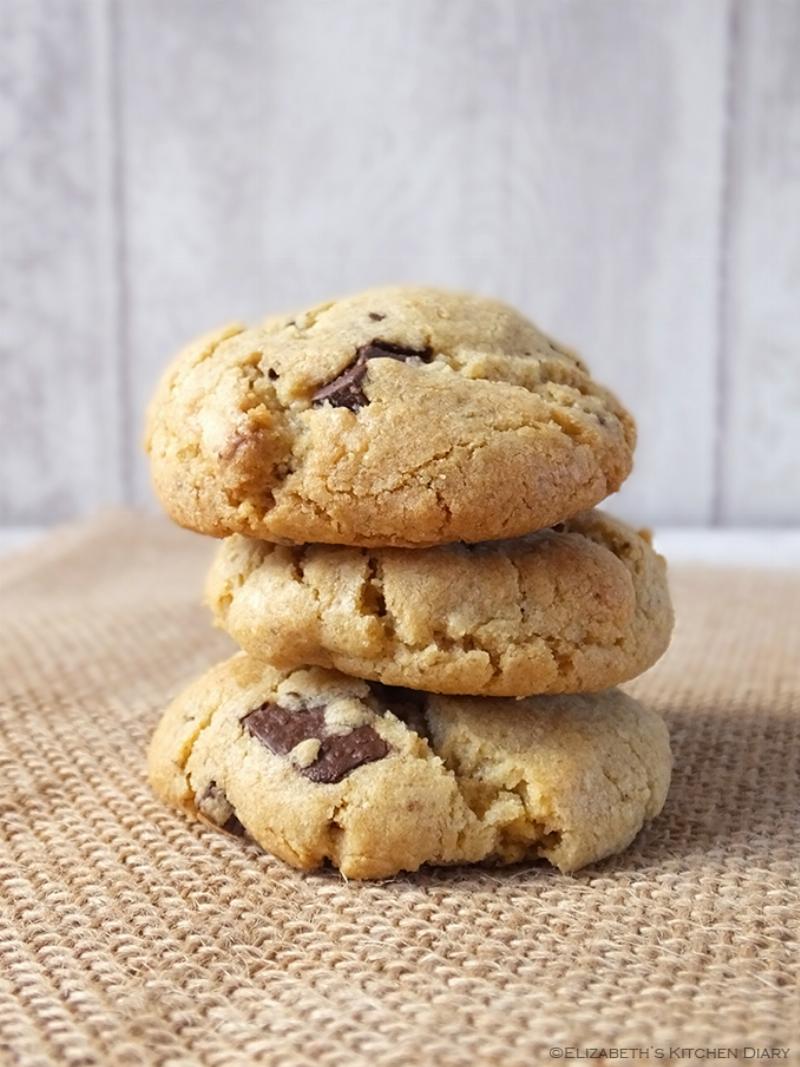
x,y
576,609
318,767
398,417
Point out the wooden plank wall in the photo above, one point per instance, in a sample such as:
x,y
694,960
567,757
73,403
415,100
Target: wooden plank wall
x,y
627,172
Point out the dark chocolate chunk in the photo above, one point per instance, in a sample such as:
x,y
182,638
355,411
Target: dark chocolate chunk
x,y
211,792
214,804
376,316
345,390
389,350
233,826
280,729
407,704
341,753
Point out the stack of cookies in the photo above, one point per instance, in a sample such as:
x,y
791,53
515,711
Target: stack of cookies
x,y
431,615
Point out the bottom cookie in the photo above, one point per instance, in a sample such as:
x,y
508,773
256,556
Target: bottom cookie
x,y
316,766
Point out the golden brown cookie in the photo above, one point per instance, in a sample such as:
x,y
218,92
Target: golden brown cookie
x,y
317,767
571,610
401,417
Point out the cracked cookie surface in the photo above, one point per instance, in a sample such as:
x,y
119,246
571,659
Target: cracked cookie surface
x,y
400,417
576,609
319,767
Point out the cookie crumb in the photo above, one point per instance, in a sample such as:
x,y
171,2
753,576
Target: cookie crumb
x,y
213,803
345,714
305,752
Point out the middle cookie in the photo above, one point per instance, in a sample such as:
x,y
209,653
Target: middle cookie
x,y
577,608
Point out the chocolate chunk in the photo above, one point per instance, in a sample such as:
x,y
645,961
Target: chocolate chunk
x,y
376,317
214,804
279,730
233,826
407,704
345,390
389,350
341,753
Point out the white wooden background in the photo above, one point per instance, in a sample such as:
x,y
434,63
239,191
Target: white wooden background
x,y
626,171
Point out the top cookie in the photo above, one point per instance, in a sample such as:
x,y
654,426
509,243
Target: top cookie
x,y
399,417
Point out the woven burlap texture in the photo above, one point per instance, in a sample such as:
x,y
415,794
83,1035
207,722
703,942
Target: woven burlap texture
x,y
130,935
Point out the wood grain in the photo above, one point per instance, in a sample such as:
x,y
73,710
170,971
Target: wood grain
x,y
616,167
567,157
759,447
329,147
627,173
58,405
192,98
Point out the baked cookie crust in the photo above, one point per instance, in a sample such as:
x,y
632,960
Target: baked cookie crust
x,y
318,767
576,609
401,416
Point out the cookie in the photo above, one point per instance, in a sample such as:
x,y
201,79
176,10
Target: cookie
x,y
399,417
318,767
576,609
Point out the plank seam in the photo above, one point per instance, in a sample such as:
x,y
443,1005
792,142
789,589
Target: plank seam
x,y
112,281
731,111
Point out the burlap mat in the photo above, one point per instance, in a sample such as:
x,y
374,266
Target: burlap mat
x,y
131,936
